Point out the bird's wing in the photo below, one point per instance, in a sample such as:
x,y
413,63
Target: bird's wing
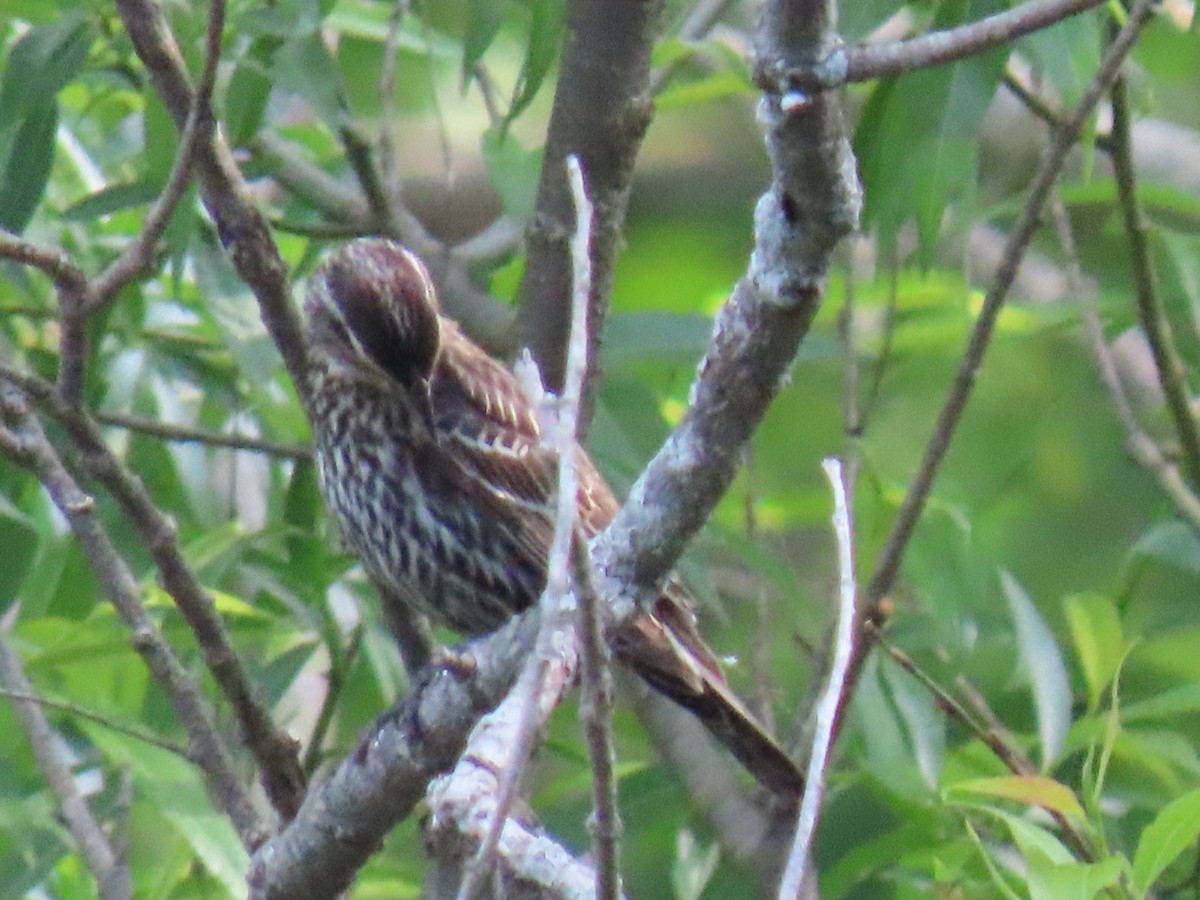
x,y
480,406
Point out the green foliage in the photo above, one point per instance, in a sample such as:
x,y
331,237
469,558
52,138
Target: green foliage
x,y
1049,587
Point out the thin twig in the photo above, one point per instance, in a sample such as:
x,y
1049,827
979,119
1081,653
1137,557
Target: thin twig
x,y
186,435
795,872
78,712
76,306
764,628
596,674
112,878
866,62
1141,446
136,258
1042,109
243,229
537,692
1172,374
387,98
884,359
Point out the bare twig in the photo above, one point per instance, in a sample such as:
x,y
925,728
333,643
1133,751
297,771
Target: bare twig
x,y
136,258
865,62
186,435
596,707
1171,372
78,712
387,99
795,873
34,451
1042,109
764,628
524,713
242,227
111,876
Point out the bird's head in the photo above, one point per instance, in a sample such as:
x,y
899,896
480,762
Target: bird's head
x,y
373,302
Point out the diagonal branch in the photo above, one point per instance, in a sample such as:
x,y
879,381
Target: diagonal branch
x,y
866,62
1172,374
887,566
32,449
344,817
243,229
813,201
275,752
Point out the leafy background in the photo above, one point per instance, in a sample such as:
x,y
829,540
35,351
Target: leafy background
x,y
1048,571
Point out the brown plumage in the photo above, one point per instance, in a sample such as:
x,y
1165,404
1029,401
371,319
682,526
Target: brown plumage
x,y
430,458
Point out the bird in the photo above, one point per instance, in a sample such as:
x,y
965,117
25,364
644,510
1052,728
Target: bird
x,y
430,457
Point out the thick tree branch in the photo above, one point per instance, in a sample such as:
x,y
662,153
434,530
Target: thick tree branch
x,y
343,818
601,111
813,201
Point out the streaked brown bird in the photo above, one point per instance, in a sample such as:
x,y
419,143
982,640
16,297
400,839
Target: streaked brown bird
x,y
430,457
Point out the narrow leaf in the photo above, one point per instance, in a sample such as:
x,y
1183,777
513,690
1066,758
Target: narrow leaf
x,y
1044,664
1173,830
1032,790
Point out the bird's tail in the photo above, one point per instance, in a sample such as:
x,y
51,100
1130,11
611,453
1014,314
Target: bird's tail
x,y
664,647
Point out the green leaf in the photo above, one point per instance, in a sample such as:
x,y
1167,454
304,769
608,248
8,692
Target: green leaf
x,y
43,60
1173,830
484,18
513,172
1173,543
1181,700
917,139
1071,881
24,177
693,867
111,199
925,727
179,793
715,86
1044,664
249,89
19,536
1032,790
1099,641
545,33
